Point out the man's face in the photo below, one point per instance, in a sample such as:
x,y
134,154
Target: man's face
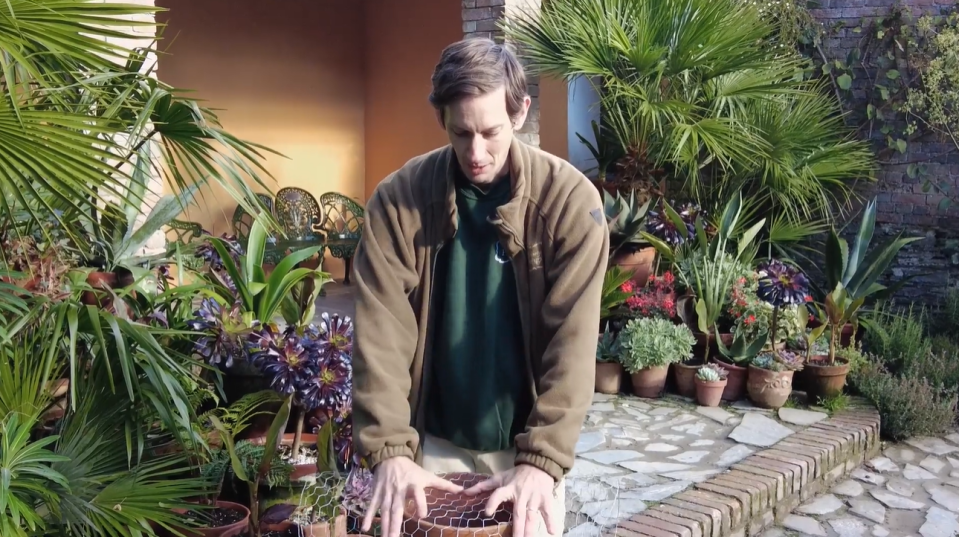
x,y
481,131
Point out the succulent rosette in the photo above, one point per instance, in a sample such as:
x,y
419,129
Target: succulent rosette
x,y
336,334
221,330
660,225
330,387
781,284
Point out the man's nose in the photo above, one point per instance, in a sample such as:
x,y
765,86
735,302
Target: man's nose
x,y
477,146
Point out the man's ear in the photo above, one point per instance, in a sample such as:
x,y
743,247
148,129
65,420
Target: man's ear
x,y
520,118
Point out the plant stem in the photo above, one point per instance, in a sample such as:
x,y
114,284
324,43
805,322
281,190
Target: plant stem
x,y
832,343
298,435
255,506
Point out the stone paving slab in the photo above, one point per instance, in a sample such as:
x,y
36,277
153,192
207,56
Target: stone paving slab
x,y
668,467
911,489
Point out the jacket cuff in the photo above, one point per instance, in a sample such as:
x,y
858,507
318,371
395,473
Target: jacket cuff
x,y
543,463
389,452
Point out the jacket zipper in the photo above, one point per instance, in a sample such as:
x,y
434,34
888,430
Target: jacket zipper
x,y
420,425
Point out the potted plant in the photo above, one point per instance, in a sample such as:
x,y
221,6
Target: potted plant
x,y
710,383
770,378
626,219
852,276
649,345
736,360
609,372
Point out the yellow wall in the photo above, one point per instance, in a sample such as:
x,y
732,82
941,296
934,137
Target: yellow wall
x,y
287,75
404,39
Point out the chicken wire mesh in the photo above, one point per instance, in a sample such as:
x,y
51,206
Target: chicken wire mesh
x,y
335,505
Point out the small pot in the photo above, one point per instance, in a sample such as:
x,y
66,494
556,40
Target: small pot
x,y
239,528
769,389
337,528
639,263
822,380
649,382
104,281
685,374
456,514
709,393
609,377
735,381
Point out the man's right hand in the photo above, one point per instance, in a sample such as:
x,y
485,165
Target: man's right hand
x,y
394,480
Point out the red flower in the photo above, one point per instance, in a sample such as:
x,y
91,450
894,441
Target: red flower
x,y
808,298
668,278
627,287
750,320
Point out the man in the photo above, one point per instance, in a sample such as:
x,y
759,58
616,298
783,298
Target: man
x,y
478,284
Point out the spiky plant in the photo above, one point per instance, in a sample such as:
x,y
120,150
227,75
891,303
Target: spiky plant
x,y
626,220
711,373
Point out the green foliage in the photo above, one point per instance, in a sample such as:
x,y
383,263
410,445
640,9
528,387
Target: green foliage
x,y
742,350
945,320
690,87
608,348
711,372
626,220
908,406
654,342
835,403
899,337
613,295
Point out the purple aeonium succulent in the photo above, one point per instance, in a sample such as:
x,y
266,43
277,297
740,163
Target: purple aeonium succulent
x,y
288,366
336,334
329,387
661,226
207,252
781,284
221,330
358,491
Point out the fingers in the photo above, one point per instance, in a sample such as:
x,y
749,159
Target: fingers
x,y
371,509
420,495
549,516
520,517
386,515
396,517
496,499
483,486
438,482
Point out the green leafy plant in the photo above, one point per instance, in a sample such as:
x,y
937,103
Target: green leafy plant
x,y
613,295
626,220
654,342
742,350
608,348
852,277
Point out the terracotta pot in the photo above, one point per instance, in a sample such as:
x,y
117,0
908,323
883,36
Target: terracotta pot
x,y
735,381
709,393
609,376
640,263
100,280
649,382
239,528
299,470
706,343
822,380
769,389
337,528
458,515
685,374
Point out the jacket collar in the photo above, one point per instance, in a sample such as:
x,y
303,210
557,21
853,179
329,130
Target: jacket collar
x,y
510,216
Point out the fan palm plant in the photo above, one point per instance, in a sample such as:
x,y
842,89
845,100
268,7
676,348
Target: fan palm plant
x,y
691,86
77,104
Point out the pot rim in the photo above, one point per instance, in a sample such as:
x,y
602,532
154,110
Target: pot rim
x,y
721,382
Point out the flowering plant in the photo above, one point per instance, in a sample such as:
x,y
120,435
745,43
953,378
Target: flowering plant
x,y
752,316
657,299
782,285
671,226
313,366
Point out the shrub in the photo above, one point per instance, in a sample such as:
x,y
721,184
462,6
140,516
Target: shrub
x,y
900,338
941,370
908,406
946,319
654,342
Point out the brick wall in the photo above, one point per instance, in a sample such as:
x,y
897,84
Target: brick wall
x,y
481,19
901,202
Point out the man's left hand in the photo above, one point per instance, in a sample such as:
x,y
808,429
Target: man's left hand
x,y
531,491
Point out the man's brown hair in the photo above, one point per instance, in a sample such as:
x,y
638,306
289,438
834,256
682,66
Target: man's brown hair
x,y
477,66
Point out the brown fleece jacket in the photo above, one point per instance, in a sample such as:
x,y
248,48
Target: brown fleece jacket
x,y
554,230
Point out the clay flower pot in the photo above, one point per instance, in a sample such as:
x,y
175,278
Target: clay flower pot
x,y
649,382
609,377
234,529
458,515
685,374
822,380
336,528
735,381
709,393
640,263
299,470
769,389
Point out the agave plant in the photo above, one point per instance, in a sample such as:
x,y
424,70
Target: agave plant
x,y
852,277
625,219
